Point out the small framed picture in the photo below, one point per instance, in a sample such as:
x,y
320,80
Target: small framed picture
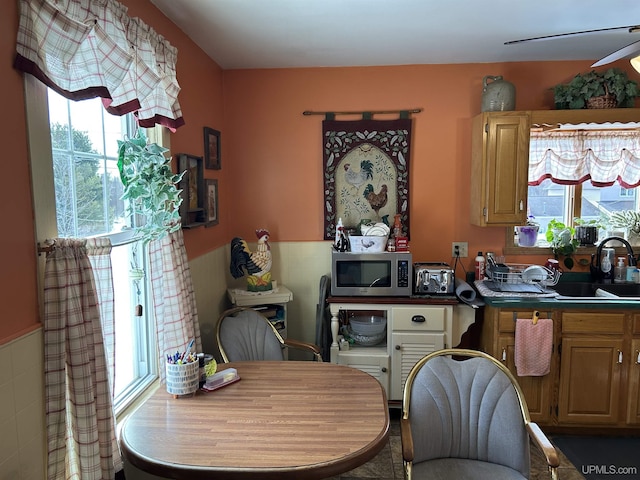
x,y
211,195
212,148
192,208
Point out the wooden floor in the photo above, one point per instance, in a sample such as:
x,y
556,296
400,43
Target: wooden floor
x,y
388,463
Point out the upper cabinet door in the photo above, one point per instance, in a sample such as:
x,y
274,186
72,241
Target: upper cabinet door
x,y
500,159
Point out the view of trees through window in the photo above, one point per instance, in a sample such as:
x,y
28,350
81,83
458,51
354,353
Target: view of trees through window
x,y
87,195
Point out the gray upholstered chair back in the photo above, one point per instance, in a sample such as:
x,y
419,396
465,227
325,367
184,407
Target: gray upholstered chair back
x,y
246,335
469,410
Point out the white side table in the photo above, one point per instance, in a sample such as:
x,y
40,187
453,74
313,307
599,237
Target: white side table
x,y
272,304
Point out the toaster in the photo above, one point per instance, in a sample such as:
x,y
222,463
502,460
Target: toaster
x,y
433,278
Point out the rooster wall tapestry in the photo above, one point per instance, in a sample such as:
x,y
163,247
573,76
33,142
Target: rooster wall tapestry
x,y
366,172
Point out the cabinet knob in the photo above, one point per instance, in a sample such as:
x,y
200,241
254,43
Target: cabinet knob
x,y
397,347
384,369
418,319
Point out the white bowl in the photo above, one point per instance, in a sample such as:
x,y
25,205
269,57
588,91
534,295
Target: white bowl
x,y
367,340
368,325
534,274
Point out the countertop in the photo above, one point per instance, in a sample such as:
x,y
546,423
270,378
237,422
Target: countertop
x,y
412,300
542,303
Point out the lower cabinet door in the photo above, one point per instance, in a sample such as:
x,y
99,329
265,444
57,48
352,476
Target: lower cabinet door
x,y
406,350
633,407
590,370
537,390
374,363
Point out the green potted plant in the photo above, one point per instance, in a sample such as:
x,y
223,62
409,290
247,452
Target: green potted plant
x,y
562,242
611,88
150,186
629,220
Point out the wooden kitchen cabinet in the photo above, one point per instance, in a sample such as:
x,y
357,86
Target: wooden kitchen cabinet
x,y
633,406
592,356
594,380
498,339
499,167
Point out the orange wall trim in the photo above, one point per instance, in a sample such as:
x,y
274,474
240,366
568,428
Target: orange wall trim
x,y
22,333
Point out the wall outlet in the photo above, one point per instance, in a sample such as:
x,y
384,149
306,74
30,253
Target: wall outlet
x,y
460,249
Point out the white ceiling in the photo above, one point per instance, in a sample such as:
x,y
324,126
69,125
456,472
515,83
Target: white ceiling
x,y
310,33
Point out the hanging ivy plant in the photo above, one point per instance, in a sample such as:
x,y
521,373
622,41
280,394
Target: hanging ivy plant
x,y
150,186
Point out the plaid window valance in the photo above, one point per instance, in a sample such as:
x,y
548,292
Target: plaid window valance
x,y
604,157
92,48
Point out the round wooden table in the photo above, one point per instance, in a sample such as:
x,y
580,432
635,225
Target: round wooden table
x,y
282,420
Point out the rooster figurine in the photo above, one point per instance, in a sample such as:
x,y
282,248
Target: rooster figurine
x,y
256,265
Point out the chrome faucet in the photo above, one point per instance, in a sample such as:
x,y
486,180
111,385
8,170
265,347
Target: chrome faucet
x,y
596,270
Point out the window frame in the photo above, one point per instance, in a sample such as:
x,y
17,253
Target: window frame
x,y
45,221
572,210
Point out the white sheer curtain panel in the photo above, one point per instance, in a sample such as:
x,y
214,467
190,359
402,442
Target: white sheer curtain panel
x,y
92,48
174,301
78,339
573,157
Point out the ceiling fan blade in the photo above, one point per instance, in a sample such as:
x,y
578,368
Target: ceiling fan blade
x,y
630,50
631,28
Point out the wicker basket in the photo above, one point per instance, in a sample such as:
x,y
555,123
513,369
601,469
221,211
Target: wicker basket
x,y
608,100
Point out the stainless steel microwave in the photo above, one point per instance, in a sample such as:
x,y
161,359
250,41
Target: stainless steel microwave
x,y
371,274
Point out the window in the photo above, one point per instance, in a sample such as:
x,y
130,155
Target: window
x,y
88,203
548,200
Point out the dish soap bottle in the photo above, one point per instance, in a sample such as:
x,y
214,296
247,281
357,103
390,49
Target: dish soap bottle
x,y
605,268
619,273
479,266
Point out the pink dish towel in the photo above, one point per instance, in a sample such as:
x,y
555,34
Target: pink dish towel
x,y
533,347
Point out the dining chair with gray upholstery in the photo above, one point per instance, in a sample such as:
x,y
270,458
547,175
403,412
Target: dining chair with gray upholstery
x,y
244,334
464,416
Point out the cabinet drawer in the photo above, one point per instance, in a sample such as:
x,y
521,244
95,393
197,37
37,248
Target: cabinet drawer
x,y
507,319
593,323
419,319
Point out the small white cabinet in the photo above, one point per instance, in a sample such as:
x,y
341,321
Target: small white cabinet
x,y
413,330
416,332
273,304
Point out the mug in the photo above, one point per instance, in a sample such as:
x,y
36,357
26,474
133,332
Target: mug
x,y
552,264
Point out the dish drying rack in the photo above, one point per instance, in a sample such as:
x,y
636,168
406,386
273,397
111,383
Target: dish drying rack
x,y
519,277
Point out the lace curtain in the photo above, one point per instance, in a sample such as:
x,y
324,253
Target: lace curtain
x,y
91,48
572,157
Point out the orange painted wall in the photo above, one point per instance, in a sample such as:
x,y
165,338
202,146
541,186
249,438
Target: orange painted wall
x,y
201,100
275,153
271,154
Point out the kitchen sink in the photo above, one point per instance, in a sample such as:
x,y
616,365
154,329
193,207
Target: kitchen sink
x,y
588,289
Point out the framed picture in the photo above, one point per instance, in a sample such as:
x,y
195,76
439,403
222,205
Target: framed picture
x,y
212,148
192,209
211,196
